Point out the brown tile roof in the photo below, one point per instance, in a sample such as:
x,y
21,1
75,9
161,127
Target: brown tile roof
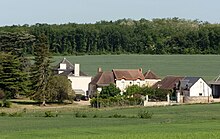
x,y
168,82
103,78
150,75
128,74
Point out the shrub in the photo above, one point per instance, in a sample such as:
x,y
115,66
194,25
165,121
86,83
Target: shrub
x,y
3,114
77,114
15,114
49,114
7,104
83,115
145,114
1,104
95,116
117,116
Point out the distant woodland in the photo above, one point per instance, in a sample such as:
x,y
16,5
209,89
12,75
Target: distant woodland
x,y
125,36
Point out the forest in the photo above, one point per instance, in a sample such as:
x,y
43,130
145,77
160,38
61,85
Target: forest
x,y
125,36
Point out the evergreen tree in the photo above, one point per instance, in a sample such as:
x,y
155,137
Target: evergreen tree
x,y
41,70
13,80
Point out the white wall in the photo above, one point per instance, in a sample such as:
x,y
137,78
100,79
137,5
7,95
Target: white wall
x,y
80,82
123,84
76,70
200,87
62,66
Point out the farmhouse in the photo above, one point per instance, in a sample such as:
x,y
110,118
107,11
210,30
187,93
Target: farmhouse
x,y
194,86
79,80
122,78
194,90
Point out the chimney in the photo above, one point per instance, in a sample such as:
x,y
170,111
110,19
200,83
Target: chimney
x,y
99,69
76,69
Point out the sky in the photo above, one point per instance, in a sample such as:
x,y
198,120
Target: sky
x,y
19,12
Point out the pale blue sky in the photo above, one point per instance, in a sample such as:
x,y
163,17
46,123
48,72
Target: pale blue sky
x,y
89,11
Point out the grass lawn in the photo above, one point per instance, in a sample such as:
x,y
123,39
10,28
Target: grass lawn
x,y
206,66
201,121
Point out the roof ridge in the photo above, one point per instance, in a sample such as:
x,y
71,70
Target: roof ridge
x,y
65,59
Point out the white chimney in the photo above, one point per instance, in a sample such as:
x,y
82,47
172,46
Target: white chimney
x,y
99,69
76,69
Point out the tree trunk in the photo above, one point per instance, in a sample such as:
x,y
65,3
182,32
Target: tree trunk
x,y
43,101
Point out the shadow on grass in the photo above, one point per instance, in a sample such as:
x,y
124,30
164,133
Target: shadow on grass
x,y
31,102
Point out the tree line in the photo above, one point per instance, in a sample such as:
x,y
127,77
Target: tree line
x,y
124,36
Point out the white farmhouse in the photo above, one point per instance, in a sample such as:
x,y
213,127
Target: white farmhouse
x,y
194,86
128,77
122,78
79,80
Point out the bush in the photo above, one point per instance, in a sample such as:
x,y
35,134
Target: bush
x,y
117,116
49,114
15,114
7,104
95,116
145,114
83,115
3,114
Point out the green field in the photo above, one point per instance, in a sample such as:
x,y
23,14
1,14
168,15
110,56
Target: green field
x,y
201,121
206,66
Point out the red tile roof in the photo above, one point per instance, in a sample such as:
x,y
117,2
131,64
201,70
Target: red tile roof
x,y
168,82
103,79
128,74
150,75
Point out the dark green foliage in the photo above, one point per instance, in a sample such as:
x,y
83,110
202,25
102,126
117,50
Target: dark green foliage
x,y
15,114
131,90
13,79
145,114
80,115
7,104
59,89
49,114
16,42
13,65
41,70
3,114
117,116
115,101
159,36
109,91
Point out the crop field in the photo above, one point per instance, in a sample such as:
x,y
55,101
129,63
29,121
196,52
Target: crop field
x,y
201,121
206,66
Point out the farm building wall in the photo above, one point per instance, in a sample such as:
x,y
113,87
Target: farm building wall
x,y
151,82
200,88
123,84
198,99
80,82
